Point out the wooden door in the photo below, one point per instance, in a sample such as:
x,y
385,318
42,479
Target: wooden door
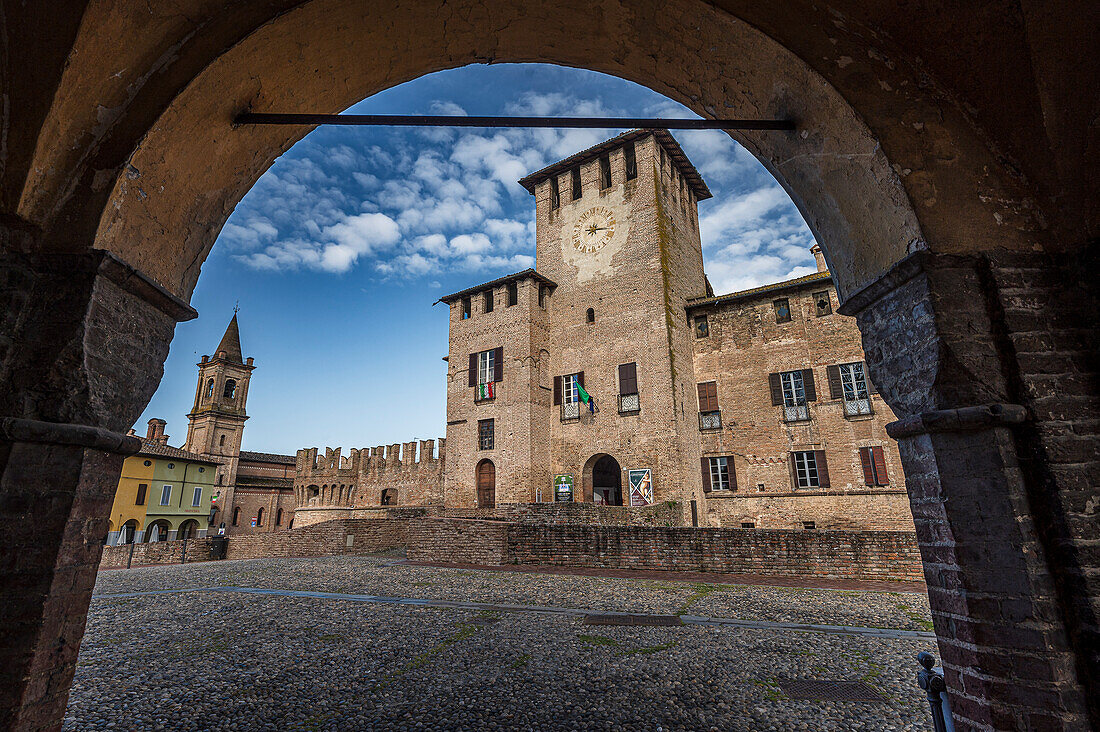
x,y
486,484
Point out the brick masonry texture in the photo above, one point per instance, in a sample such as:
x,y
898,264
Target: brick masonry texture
x,y
880,555
660,514
160,552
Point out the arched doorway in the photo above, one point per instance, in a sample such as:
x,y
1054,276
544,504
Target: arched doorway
x,y
486,474
603,480
157,531
189,529
128,531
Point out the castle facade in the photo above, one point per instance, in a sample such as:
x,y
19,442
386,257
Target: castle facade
x,y
612,374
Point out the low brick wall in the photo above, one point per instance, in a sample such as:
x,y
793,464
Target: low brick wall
x,y
660,514
159,552
878,555
343,536
459,541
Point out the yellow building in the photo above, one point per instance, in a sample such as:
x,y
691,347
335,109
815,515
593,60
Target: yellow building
x,y
179,485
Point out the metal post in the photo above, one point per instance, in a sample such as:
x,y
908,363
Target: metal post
x,y
694,514
932,682
130,558
183,554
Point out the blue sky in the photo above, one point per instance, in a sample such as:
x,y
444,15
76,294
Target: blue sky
x,y
338,252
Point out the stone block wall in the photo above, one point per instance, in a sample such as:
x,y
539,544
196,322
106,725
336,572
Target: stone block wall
x,y
160,552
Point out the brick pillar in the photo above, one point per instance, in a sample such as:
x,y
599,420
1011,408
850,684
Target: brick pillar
x,y
1012,622
83,339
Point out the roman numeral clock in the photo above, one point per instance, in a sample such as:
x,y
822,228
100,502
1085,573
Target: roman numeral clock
x,y
594,229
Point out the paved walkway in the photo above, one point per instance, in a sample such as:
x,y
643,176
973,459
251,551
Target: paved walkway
x,y
346,643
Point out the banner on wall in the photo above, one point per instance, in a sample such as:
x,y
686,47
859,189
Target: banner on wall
x,y
641,487
563,488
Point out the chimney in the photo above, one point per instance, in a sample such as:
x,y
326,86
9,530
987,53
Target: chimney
x,y
156,432
821,266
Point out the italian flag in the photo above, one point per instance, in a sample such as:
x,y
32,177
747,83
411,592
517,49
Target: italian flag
x,y
485,391
586,398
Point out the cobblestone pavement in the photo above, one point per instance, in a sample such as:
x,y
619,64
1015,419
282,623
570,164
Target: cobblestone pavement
x,y
197,660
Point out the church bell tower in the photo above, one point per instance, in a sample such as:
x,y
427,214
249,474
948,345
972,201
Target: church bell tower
x,y
216,421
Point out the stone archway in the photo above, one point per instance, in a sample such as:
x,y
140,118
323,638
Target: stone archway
x,y
949,216
602,480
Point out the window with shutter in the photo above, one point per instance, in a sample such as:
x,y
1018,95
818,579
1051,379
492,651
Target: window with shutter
x,y
720,473
473,369
710,418
822,468
704,465
853,389
809,385
629,401
835,389
557,390
775,385
873,461
805,470
570,396
879,459
794,394
868,465
498,365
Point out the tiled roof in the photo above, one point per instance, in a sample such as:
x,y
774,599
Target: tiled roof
x,y
664,137
497,283
763,289
268,457
152,449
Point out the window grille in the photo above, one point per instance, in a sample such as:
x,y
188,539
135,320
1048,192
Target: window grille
x,y
485,434
629,403
710,420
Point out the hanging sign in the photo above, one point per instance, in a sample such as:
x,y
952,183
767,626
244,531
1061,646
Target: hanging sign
x,y
563,488
641,487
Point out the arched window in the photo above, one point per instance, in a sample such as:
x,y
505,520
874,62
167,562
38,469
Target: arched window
x,y
230,390
590,315
237,516
221,442
260,516
209,388
279,517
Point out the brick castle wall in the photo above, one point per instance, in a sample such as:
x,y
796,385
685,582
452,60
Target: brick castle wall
x,y
840,511
160,552
331,538
459,541
660,514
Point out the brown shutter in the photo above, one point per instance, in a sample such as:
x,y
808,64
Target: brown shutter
x,y
793,470
880,466
498,364
473,369
776,388
702,390
628,378
865,460
708,396
704,463
580,378
836,391
822,468
732,472
557,390
712,388
808,385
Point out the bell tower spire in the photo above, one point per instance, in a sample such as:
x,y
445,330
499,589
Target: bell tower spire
x,y
216,422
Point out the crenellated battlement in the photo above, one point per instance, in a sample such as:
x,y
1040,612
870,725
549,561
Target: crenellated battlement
x,y
401,474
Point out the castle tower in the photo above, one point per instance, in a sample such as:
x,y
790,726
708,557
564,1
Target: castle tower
x,y
216,421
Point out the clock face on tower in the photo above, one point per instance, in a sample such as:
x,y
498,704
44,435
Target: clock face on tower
x,y
594,229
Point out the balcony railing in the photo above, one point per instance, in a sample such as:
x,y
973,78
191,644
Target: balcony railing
x,y
570,411
856,407
796,413
710,420
629,404
477,394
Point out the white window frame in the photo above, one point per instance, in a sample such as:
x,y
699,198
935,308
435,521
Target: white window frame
x,y
196,499
853,384
486,365
569,393
794,396
806,474
719,473
165,495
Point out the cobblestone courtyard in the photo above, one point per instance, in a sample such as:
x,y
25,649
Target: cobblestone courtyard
x,y
369,643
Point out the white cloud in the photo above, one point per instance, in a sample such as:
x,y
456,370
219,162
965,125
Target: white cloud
x,y
470,243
